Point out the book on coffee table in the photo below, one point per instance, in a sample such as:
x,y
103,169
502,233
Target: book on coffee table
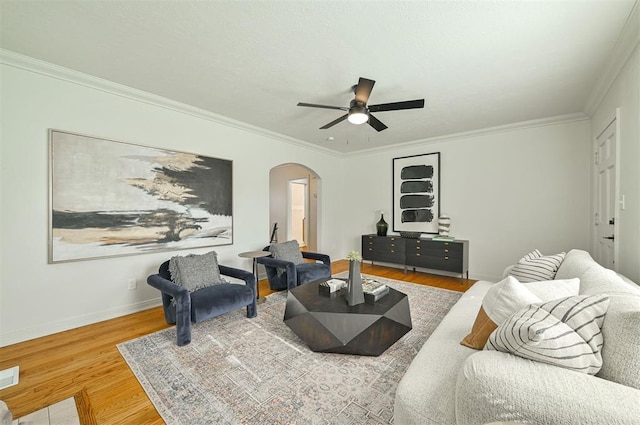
x,y
374,290
371,298
331,286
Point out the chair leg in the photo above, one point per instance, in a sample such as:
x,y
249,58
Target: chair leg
x,y
252,310
183,320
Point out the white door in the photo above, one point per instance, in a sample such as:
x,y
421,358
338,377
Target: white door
x,y
606,213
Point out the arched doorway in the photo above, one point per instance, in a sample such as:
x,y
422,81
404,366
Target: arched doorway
x,y
294,204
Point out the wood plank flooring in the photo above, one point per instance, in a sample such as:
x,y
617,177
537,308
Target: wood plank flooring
x,y
84,363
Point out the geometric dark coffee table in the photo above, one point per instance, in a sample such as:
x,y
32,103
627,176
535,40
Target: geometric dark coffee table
x,y
327,323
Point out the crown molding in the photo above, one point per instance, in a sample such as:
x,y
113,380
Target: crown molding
x,y
559,119
54,71
47,69
626,44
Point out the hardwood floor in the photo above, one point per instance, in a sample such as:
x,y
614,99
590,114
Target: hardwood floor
x,y
84,363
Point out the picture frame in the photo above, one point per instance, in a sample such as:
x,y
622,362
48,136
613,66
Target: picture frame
x,y
110,198
416,193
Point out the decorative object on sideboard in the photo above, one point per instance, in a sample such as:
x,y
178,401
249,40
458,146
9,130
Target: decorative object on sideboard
x,y
410,235
354,294
444,223
382,226
416,193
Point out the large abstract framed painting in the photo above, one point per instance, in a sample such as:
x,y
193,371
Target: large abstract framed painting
x,y
109,198
416,193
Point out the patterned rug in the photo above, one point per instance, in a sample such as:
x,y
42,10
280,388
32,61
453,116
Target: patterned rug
x,y
238,370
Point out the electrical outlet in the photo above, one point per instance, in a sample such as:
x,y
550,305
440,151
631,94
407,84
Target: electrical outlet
x,y
131,284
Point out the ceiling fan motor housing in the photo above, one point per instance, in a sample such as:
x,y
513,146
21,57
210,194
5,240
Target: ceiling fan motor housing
x,y
358,112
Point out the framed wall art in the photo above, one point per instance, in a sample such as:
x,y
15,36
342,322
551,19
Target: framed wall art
x,y
416,193
110,198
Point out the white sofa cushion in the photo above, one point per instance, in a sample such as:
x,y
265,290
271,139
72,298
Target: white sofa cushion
x,y
574,264
598,280
494,386
506,297
548,290
564,332
621,350
621,328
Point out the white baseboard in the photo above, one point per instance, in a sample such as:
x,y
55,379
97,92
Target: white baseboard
x,y
44,329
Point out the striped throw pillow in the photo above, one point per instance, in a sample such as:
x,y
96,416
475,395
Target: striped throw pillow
x,y
534,266
564,332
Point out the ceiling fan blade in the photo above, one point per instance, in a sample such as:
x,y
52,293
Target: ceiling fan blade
x,y
376,123
334,122
313,105
396,106
363,89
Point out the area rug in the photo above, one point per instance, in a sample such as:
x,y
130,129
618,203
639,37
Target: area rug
x,y
238,370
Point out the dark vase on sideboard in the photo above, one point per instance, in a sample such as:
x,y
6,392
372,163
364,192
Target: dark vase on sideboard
x,y
382,226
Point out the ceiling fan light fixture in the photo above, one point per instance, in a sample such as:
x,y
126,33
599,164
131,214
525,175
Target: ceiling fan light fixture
x,y
358,115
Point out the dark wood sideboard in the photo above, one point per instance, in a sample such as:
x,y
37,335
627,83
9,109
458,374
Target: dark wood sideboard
x,y
450,256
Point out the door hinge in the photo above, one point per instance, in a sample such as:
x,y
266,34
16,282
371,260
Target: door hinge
x,y
596,157
596,218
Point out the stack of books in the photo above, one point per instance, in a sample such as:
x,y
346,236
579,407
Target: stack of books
x,y
331,286
374,290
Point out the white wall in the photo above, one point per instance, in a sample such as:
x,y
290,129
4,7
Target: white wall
x,y
39,298
625,94
507,191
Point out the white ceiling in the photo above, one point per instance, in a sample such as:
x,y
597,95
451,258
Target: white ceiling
x,y
478,63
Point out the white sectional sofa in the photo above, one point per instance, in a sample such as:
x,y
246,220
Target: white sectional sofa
x,y
448,383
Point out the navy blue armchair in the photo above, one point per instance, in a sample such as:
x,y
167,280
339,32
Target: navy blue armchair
x,y
183,307
295,274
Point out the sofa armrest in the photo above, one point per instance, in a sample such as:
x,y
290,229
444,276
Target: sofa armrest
x,y
317,256
249,278
426,392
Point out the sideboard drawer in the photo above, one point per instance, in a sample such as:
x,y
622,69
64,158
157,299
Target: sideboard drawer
x,y
450,256
450,264
383,248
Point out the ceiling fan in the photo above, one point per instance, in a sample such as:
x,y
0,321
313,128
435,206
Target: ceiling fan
x,y
358,112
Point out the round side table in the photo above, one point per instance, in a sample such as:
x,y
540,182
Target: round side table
x,y
254,255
